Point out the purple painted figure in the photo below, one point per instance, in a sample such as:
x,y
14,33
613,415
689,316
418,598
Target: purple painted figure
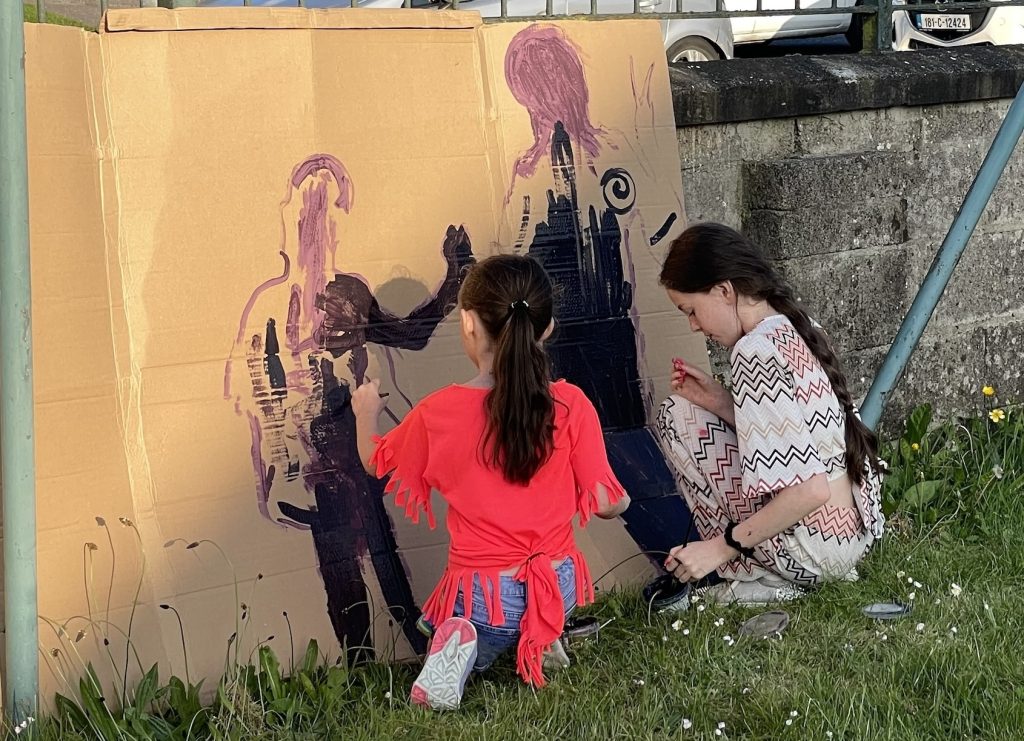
x,y
297,331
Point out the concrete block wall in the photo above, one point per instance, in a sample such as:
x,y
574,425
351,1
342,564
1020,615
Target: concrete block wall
x,y
853,205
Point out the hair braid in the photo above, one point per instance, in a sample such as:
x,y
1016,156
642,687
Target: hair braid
x,y
861,442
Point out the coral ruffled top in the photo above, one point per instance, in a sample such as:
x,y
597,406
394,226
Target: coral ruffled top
x,y
494,525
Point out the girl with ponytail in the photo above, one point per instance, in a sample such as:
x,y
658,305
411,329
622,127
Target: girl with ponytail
x,y
517,458
781,475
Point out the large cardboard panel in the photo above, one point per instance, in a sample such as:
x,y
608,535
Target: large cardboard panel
x,y
286,166
82,479
236,215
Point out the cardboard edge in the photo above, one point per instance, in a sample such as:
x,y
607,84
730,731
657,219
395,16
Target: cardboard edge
x,y
221,19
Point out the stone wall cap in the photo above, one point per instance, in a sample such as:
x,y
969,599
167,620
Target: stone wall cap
x,y
784,87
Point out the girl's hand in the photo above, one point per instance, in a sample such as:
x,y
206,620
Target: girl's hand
x,y
367,402
698,387
691,561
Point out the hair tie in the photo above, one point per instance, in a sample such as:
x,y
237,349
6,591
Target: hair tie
x,y
517,305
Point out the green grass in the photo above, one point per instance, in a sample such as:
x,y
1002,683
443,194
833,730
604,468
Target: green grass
x,y
951,669
58,20
833,667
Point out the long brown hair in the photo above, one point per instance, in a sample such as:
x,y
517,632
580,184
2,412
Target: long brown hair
x,y
707,254
512,295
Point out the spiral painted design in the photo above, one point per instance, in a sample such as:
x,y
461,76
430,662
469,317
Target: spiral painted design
x,y
618,190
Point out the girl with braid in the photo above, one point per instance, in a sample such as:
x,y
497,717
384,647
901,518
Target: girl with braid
x,y
781,475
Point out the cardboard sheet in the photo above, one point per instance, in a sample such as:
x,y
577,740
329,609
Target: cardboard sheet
x,y
204,183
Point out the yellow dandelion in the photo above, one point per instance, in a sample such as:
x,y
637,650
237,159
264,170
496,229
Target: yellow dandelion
x,y
988,391
915,447
997,415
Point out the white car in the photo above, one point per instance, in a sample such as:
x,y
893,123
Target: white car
x,y
996,26
686,40
749,29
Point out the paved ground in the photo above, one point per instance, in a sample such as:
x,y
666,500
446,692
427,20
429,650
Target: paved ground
x,y
822,45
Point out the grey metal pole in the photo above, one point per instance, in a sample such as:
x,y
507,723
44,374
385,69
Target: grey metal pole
x,y
17,454
883,27
945,261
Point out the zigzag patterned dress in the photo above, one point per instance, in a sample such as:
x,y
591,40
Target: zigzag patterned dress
x,y
789,427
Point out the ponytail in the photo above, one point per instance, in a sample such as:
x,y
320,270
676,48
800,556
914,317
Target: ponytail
x,y
520,408
513,297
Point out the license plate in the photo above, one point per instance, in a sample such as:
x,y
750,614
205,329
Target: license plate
x,y
946,22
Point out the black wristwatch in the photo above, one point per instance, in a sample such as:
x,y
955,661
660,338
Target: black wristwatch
x,y
730,540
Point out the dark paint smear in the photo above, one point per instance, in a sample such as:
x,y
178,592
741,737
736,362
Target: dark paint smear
x,y
660,234
659,525
244,321
658,518
350,518
272,364
595,345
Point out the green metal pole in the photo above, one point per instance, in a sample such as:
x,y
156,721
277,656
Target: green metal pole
x,y
17,454
945,261
40,11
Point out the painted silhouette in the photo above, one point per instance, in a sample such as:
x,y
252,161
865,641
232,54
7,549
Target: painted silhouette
x,y
585,247
303,336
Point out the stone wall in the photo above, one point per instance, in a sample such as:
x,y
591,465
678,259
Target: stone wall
x,y
855,203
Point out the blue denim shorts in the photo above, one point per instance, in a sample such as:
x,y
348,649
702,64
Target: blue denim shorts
x,y
494,640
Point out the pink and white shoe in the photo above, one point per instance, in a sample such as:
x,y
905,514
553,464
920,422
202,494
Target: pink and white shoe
x,y
449,663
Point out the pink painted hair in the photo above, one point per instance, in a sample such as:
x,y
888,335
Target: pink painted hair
x,y
545,74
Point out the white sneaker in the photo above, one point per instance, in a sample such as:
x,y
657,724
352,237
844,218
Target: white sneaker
x,y
753,593
555,658
449,663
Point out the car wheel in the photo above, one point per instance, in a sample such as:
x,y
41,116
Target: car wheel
x,y
692,49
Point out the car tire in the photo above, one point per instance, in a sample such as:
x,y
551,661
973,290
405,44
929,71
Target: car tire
x,y
692,49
